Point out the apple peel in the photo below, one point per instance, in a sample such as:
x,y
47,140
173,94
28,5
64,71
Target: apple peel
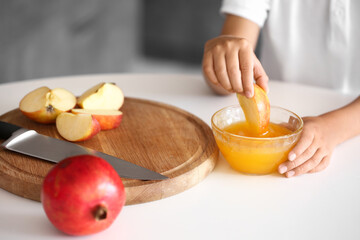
x,y
108,119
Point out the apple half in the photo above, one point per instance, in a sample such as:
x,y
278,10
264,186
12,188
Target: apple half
x,y
43,105
77,127
102,96
108,119
256,110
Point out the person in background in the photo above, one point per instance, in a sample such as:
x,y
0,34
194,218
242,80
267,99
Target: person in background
x,y
302,41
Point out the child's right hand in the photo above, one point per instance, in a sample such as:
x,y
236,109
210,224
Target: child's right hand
x,y
230,62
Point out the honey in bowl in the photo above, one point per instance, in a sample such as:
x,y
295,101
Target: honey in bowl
x,y
246,150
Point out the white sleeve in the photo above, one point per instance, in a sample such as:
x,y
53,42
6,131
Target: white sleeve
x,y
254,10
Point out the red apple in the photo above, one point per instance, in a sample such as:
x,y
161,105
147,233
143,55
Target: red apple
x,y
102,96
43,105
77,127
82,195
108,119
256,109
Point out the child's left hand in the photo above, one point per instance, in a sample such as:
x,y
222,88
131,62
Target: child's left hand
x,y
313,151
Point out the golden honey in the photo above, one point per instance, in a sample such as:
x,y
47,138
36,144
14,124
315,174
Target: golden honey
x,y
248,152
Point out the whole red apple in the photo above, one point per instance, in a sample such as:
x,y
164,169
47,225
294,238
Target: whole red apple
x,y
82,195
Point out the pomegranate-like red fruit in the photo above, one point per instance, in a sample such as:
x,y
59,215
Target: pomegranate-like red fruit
x,y
82,195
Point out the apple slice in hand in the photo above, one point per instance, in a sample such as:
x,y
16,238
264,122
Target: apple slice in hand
x,y
108,119
43,105
102,96
256,110
77,127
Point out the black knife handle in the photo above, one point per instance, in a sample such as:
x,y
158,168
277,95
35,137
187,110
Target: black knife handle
x,y
7,129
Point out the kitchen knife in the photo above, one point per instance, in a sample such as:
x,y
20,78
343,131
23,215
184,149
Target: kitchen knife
x,y
31,143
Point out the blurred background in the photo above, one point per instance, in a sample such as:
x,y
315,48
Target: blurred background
x,y
48,38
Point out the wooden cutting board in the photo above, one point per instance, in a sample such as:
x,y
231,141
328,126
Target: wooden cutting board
x,y
157,136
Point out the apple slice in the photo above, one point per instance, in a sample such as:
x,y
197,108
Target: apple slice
x,y
77,127
43,105
108,119
102,96
256,110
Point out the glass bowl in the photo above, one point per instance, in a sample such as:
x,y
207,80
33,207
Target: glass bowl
x,y
255,155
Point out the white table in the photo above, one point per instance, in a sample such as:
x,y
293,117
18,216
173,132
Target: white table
x,y
226,205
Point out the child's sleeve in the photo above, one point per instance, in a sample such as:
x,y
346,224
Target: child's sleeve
x,y
254,10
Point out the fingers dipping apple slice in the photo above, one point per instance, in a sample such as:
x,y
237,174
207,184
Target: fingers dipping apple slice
x,y
77,127
43,105
108,119
102,96
256,110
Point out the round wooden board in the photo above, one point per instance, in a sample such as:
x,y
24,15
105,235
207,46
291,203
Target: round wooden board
x,y
157,136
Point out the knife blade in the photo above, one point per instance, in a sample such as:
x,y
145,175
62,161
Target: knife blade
x,y
31,143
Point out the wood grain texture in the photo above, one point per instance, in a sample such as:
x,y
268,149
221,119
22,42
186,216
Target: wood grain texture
x,y
154,135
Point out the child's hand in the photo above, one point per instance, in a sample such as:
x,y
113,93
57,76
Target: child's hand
x,y
313,151
231,63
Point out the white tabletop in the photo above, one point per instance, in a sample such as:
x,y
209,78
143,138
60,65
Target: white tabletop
x,y
227,204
